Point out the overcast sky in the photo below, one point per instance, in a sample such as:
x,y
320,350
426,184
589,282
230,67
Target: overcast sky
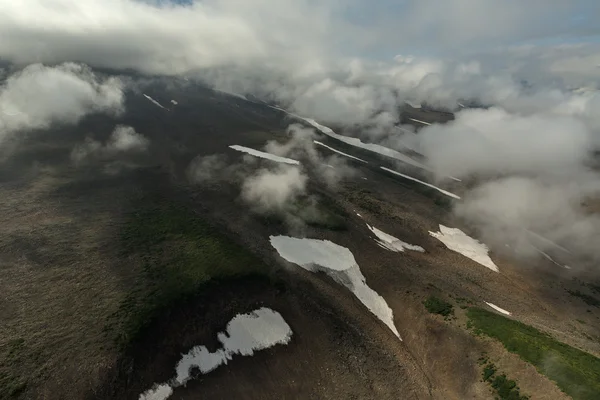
x,y
157,35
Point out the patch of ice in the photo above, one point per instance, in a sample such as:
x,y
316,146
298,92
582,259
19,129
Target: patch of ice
x,y
174,102
364,178
159,392
413,104
495,307
154,101
262,154
547,241
339,263
245,334
456,240
547,256
392,243
339,152
447,193
375,148
419,121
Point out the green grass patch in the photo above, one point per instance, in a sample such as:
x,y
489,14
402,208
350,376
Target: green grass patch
x,y
436,305
181,253
576,372
505,389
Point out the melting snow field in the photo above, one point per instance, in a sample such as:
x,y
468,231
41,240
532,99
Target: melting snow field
x,y
500,310
339,152
419,121
447,193
154,101
262,154
245,334
375,148
456,240
339,263
392,243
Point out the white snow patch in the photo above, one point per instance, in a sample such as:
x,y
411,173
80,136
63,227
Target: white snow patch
x,y
419,121
339,152
359,215
413,104
364,178
456,240
174,102
159,392
547,241
547,256
154,101
245,334
447,193
262,154
375,148
495,307
392,243
339,263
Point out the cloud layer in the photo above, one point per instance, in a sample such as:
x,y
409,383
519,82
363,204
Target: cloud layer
x,y
38,96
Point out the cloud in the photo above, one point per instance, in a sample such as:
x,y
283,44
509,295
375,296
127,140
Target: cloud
x,y
38,96
124,139
328,168
530,176
204,169
274,190
507,210
493,142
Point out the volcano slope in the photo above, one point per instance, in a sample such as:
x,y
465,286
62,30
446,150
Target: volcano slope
x,y
115,263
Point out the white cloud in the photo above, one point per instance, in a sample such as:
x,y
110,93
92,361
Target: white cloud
x,y
40,95
491,142
273,190
122,140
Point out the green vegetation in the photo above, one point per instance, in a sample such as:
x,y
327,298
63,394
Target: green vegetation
x,y
180,254
436,305
576,372
589,300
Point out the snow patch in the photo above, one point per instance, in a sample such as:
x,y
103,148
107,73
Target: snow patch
x,y
245,334
174,102
500,310
339,263
339,152
447,193
154,101
392,243
262,154
419,121
413,104
456,240
159,392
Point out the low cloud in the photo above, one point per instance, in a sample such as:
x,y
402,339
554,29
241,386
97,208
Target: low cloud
x,y
529,177
329,169
124,139
272,191
38,96
493,142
